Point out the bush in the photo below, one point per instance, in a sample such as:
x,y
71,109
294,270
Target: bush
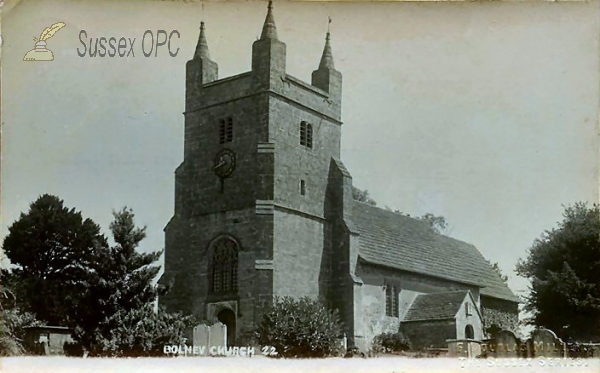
x,y
140,332
73,349
12,330
391,342
300,328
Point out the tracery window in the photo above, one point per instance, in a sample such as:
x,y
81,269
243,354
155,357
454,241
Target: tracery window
x,y
224,266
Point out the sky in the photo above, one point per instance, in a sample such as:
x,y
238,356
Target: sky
x,y
485,113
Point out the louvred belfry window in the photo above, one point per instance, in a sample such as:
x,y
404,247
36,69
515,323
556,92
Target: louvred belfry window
x,y
391,301
224,266
225,130
306,134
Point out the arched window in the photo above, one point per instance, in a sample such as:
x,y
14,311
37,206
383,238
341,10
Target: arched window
x,y
224,266
469,333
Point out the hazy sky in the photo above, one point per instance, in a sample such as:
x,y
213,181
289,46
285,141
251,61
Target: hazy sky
x,y
485,113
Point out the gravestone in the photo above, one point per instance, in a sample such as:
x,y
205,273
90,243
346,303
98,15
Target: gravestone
x,y
544,342
200,338
217,335
463,348
506,344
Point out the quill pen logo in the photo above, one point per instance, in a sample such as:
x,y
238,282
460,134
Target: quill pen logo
x,y
40,52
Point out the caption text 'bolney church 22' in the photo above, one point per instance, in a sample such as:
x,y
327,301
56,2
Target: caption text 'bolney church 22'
x,y
264,208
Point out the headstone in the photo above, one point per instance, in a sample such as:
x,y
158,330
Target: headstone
x,y
45,348
201,334
473,348
544,342
457,348
217,335
506,344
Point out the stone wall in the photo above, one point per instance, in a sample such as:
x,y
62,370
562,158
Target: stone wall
x,y
342,250
298,262
47,340
425,334
294,162
188,257
499,313
372,307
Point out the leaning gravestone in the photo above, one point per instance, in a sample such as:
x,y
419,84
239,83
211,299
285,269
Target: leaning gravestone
x,y
217,336
544,342
201,334
506,344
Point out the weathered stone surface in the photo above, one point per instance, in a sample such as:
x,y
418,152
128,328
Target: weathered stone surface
x,y
544,342
506,344
217,335
464,348
201,334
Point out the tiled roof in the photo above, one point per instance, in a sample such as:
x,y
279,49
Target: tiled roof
x,y
394,240
436,306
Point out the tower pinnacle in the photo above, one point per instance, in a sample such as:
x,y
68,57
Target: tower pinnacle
x,y
202,46
269,30
327,57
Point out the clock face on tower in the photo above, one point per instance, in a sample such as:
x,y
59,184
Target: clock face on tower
x,y
224,163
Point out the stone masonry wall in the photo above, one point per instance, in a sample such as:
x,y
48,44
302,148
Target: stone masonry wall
x,y
188,257
426,334
503,314
295,162
374,319
297,255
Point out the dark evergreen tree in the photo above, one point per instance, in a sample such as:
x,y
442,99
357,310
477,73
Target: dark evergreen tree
x,y
54,252
125,282
65,273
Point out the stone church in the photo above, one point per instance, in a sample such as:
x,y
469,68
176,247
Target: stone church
x,y
264,208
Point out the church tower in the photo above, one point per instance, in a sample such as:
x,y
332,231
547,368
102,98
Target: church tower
x,y
251,193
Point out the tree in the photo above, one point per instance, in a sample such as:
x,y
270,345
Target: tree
x,y
125,282
563,266
67,274
496,268
54,251
12,322
437,223
131,272
362,196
